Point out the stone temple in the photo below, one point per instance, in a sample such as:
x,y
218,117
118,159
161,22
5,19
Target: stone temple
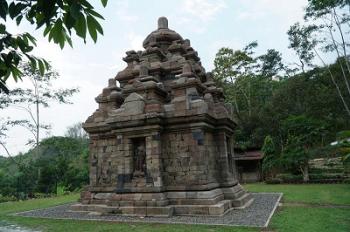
x,y
161,141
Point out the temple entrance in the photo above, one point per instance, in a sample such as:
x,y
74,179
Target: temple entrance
x,y
139,157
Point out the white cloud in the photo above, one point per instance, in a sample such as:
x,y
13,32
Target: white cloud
x,y
50,52
123,12
118,63
258,9
204,10
135,41
195,15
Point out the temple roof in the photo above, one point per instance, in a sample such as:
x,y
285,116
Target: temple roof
x,y
163,35
166,80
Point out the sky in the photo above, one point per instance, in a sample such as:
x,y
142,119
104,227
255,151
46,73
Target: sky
x,y
209,24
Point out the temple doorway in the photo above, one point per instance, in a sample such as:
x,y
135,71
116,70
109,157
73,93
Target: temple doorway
x,y
139,156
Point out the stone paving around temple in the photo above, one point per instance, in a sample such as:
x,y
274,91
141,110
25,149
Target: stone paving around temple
x,y
257,214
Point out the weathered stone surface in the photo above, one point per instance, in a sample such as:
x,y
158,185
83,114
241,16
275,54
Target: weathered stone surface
x,y
134,104
161,143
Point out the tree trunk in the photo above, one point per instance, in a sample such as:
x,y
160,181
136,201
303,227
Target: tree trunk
x,y
340,62
37,119
305,171
335,83
37,123
37,126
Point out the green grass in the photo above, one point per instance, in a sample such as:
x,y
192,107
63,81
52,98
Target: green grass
x,y
287,219
97,226
294,219
308,193
19,206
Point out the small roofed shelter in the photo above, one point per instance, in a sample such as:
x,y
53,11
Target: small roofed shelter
x,y
249,165
160,142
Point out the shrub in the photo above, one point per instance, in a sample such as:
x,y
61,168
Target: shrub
x,y
273,181
7,198
346,163
287,177
325,176
325,170
42,195
62,190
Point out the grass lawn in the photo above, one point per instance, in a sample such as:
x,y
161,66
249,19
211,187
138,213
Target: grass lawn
x,y
292,219
308,193
287,219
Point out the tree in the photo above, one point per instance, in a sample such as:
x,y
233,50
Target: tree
x,y
327,24
312,94
270,63
342,146
270,161
299,39
76,131
62,161
22,182
302,135
30,100
248,83
4,128
58,18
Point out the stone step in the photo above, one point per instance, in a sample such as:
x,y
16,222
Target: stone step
x,y
234,193
243,201
239,193
166,211
147,211
196,201
218,209
92,208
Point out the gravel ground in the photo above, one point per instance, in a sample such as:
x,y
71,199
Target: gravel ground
x,y
257,214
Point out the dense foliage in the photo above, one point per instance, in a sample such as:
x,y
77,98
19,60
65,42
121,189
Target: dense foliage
x,y
293,112
58,163
300,113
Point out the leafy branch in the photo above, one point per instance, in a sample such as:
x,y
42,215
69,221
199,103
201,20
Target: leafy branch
x,y
59,18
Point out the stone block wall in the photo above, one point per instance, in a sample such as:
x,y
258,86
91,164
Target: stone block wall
x,y
103,165
193,159
180,160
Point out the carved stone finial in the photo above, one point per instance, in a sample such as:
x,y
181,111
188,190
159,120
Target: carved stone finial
x,y
162,23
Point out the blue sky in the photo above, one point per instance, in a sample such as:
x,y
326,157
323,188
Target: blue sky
x,y
209,25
